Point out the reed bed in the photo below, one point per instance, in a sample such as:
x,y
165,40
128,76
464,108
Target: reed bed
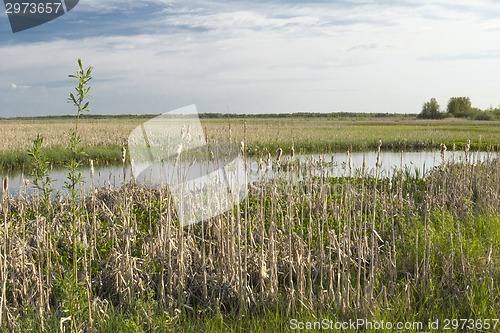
x,y
303,243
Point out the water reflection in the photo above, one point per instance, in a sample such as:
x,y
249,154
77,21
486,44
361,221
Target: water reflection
x,y
333,165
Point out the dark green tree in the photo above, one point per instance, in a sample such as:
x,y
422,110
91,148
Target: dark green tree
x,y
460,107
430,110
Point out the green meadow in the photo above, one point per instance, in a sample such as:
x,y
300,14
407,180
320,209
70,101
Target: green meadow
x,y
102,137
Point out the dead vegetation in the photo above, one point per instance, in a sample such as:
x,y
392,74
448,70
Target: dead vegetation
x,y
354,246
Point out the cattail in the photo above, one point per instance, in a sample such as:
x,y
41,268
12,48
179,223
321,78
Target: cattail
x,y
124,154
378,153
178,151
292,152
351,164
364,165
443,150
5,186
183,132
279,152
467,150
91,172
242,147
261,164
268,160
92,167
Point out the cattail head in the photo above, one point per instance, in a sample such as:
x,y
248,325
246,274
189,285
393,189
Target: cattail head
x,y
242,147
364,165
378,152
178,151
92,168
124,153
292,151
351,163
183,132
443,150
467,149
5,185
279,152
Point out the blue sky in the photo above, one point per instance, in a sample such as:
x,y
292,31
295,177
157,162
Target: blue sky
x,y
153,56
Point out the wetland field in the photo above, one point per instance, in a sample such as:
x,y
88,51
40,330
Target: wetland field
x,y
304,246
102,138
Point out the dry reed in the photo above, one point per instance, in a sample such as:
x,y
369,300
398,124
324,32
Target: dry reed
x,y
302,239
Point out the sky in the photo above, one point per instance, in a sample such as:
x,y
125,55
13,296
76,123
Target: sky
x,y
153,56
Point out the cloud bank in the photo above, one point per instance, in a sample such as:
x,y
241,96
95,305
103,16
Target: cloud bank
x,y
273,56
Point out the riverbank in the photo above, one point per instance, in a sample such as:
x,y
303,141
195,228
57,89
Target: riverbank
x,y
102,138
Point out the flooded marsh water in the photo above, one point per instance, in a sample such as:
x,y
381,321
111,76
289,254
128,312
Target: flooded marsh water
x,y
331,165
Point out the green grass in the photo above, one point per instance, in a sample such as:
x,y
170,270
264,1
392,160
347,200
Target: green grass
x,y
59,156
330,135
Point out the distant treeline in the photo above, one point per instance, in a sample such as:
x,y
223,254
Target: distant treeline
x,y
230,115
83,116
308,115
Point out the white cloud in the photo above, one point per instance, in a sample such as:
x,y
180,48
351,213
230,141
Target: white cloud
x,y
99,6
272,57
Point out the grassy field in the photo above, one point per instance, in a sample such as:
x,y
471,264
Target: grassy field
x,y
410,248
103,138
332,135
